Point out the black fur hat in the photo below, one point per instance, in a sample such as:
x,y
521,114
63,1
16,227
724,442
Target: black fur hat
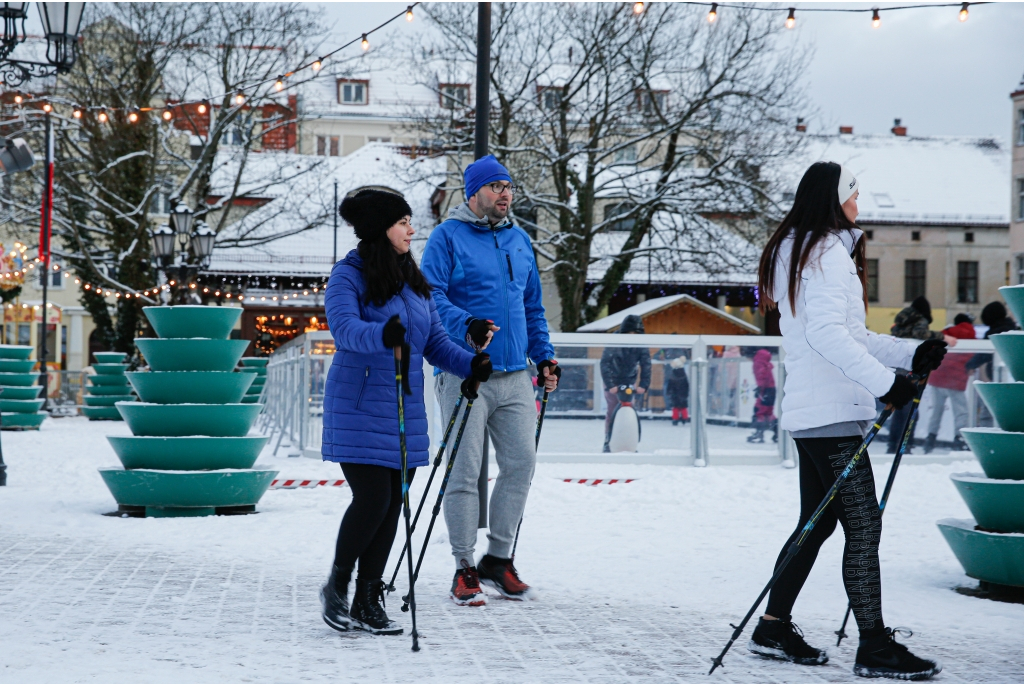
x,y
373,212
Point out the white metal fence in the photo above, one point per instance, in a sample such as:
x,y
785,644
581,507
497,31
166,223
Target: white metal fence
x,y
721,399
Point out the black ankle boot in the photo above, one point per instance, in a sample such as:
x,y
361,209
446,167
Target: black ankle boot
x,y
368,609
334,598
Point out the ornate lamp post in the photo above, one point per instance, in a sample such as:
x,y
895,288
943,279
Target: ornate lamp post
x,y
62,23
193,247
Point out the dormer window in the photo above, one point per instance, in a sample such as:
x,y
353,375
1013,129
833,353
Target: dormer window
x,y
652,101
549,97
353,92
454,95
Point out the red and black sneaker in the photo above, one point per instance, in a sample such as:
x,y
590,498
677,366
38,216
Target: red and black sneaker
x,y
466,587
502,576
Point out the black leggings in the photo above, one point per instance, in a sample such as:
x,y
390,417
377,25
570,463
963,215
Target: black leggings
x,y
856,507
368,527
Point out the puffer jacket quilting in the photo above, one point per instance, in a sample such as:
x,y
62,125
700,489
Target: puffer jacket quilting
x,y
360,402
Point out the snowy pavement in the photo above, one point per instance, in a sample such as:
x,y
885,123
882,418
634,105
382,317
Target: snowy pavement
x,y
638,581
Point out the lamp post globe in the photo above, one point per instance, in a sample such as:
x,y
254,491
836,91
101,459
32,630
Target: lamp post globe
x,y
12,13
181,219
62,22
202,242
163,244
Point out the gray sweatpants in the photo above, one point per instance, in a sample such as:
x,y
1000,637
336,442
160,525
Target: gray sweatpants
x,y
507,408
957,400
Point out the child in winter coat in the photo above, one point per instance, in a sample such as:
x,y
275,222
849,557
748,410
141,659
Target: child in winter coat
x,y
678,391
764,405
949,381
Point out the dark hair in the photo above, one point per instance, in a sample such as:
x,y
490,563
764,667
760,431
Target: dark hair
x,y
385,271
816,213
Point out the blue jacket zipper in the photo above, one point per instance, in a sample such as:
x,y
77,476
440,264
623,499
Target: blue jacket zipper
x,y
362,388
504,291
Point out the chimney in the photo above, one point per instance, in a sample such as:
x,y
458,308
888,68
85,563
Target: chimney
x,y
801,127
846,130
898,130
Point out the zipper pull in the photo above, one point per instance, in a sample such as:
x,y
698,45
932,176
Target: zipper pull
x,y
511,276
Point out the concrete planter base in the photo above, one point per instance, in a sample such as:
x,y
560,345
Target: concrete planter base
x,y
990,557
180,493
997,505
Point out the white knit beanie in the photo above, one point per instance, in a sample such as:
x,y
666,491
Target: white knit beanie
x,y
848,184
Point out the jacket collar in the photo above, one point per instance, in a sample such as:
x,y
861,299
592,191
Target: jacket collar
x,y
464,214
849,237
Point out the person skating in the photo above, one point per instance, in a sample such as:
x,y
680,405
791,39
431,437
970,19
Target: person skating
x,y
813,271
911,322
678,391
376,300
620,366
486,283
949,381
764,405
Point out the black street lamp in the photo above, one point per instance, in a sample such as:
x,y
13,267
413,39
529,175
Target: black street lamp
x,y
202,243
163,244
191,240
62,23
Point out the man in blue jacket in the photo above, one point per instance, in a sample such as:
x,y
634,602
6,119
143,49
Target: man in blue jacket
x,y
488,294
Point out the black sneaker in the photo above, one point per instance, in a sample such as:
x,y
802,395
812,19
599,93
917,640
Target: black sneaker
x,y
883,657
783,640
501,575
334,599
368,609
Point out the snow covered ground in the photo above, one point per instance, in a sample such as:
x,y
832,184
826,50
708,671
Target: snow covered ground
x,y
638,582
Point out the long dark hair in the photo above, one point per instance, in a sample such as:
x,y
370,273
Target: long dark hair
x,y
386,272
816,213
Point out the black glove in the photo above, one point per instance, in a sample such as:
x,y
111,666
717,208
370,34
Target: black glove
x,y
551,364
469,387
928,356
903,390
476,332
394,332
481,367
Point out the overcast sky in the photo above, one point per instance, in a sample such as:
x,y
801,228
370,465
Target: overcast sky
x,y
939,76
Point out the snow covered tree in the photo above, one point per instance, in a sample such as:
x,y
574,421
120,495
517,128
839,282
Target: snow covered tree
x,y
608,119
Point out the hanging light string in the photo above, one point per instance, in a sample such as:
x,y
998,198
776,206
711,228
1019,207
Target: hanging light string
x,y
227,291
203,104
790,22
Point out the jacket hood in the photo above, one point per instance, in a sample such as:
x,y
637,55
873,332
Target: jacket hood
x,y
923,307
963,331
763,355
353,259
632,324
465,214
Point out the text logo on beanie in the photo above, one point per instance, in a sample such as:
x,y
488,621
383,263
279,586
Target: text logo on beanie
x,y
483,171
373,212
848,184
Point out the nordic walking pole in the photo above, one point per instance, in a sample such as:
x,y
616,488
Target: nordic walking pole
x,y
808,527
908,435
405,486
444,486
437,463
536,443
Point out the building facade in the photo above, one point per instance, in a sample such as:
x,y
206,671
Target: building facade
x,y
1017,183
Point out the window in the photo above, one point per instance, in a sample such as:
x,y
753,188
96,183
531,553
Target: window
x,y
1020,270
872,280
914,274
967,281
160,203
353,92
454,95
327,146
871,236
625,155
1020,199
652,101
915,235
549,98
56,275
969,236
615,209
1020,127
378,139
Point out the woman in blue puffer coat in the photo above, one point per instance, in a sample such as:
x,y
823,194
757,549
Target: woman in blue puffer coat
x,y
376,300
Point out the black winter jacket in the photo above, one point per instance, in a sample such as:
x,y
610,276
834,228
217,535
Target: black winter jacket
x,y
619,366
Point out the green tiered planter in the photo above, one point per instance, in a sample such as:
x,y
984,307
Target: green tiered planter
x,y
19,406
107,387
256,367
190,453
991,546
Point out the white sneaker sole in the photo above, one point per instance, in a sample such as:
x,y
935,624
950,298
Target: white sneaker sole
x,y
529,594
478,601
779,655
870,672
394,630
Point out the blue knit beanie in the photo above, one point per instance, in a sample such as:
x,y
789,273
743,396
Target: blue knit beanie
x,y
483,171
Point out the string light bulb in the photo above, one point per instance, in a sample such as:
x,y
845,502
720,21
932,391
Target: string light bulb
x,y
76,112
638,8
47,107
279,84
876,20
167,115
203,107
240,98
791,19
408,14
365,43
963,12
713,14
18,99
317,64
102,116
133,116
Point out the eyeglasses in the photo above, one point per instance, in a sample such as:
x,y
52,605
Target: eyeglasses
x,y
499,188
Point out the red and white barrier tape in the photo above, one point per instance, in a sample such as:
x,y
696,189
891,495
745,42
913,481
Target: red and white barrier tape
x,y
598,481
295,483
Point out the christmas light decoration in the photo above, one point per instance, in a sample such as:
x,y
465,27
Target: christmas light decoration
x,y
876,20
408,14
963,11
713,14
638,8
365,43
791,19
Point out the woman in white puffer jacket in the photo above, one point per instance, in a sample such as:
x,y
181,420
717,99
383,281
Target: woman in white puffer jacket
x,y
813,271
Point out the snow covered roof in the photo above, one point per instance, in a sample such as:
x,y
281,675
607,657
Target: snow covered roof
x,y
309,199
907,179
612,322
